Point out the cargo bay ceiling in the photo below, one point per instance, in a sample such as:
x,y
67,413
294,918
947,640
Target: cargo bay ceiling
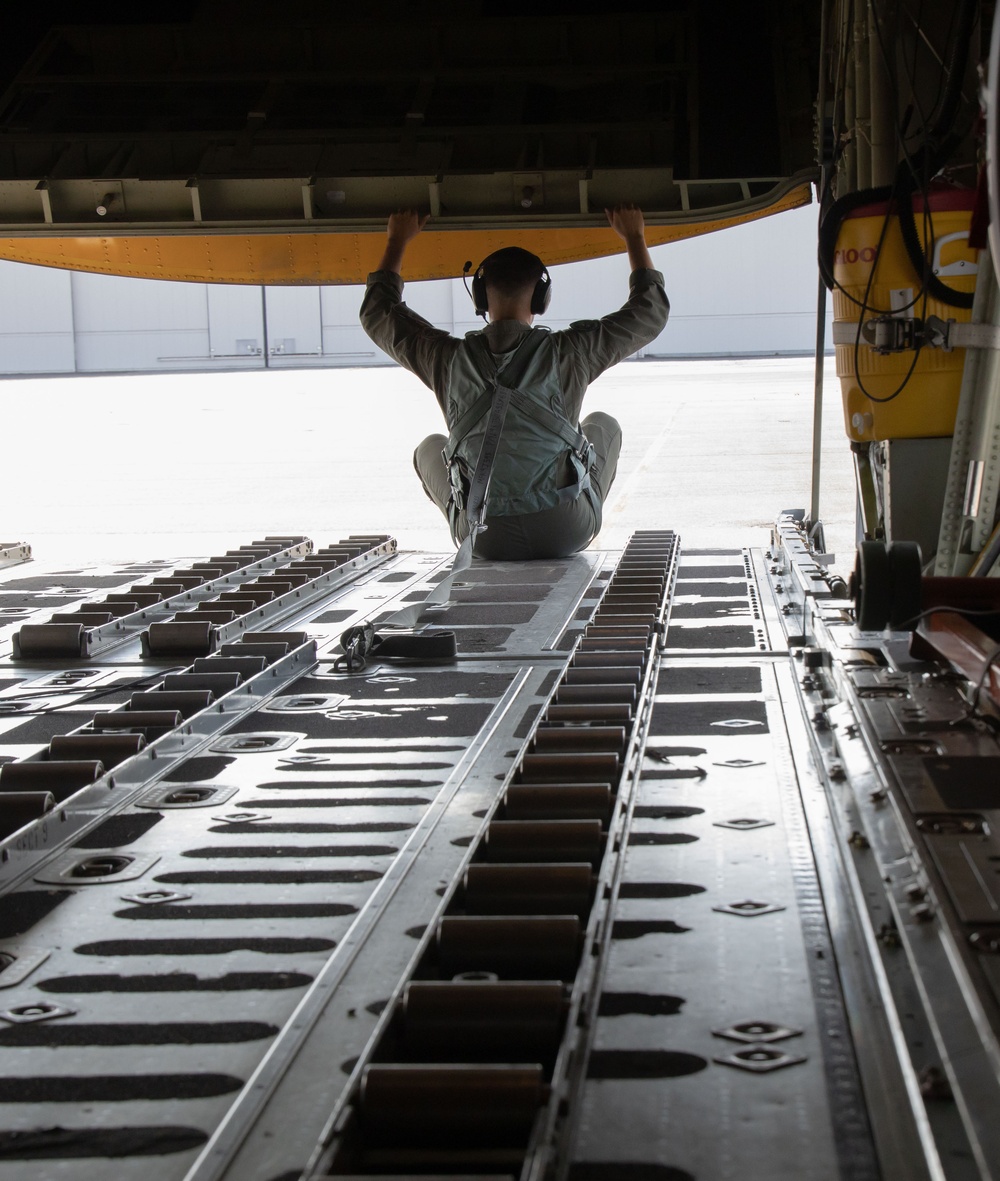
x,y
268,144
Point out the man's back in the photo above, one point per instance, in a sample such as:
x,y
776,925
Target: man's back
x,y
549,478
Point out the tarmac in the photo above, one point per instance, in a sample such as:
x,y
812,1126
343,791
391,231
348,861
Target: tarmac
x,y
164,466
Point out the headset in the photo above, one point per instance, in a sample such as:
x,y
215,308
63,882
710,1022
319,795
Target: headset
x,y
540,297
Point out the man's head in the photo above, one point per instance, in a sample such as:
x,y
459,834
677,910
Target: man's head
x,y
510,279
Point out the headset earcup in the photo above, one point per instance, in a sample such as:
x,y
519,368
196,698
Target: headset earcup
x,y
479,299
541,297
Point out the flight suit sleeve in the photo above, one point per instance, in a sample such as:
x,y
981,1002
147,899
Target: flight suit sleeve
x,y
589,347
407,337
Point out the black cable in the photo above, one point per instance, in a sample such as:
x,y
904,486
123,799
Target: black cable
x,y
912,174
962,611
133,686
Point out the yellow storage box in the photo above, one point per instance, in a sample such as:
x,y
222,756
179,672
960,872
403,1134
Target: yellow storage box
x,y
927,404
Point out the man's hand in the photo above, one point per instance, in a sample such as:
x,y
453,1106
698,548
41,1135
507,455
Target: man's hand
x,y
405,224
628,223
403,227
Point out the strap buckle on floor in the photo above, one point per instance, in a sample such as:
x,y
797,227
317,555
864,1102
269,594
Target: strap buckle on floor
x,y
361,642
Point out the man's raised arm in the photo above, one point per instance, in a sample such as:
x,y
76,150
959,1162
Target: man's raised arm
x,y
628,223
403,227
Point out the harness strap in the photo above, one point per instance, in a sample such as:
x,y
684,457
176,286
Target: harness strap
x,y
359,642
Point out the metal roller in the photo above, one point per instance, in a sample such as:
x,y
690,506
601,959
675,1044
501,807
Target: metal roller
x,y
577,738
272,583
83,618
186,702
18,808
610,674
217,616
584,766
604,644
117,608
249,554
140,601
444,1021
258,596
623,619
637,583
292,639
224,562
206,571
246,666
235,600
528,947
621,694
288,576
316,567
151,722
532,841
608,659
553,888
62,779
590,712
179,638
450,1107
620,631
168,587
110,749
50,639
559,801
269,652
186,578
217,683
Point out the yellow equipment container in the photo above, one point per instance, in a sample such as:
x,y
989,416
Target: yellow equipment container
x,y
927,404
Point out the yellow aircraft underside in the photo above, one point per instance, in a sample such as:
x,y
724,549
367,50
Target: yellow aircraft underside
x,y
309,259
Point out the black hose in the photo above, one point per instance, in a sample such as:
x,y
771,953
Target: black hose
x,y
938,146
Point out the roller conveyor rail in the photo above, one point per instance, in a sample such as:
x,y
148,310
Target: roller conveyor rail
x,y
673,871
13,553
95,626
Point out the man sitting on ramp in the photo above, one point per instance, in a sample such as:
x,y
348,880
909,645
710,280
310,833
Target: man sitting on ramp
x,y
520,389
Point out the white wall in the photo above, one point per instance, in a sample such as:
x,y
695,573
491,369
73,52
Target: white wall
x,y
742,291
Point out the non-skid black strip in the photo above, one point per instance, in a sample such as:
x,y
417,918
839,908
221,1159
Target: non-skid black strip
x,y
658,890
177,982
119,830
249,877
111,1088
665,811
661,838
197,770
738,718
20,911
721,637
703,609
351,802
714,590
623,1064
250,851
636,928
275,946
81,1143
626,1171
348,784
317,827
645,1004
354,768
167,1033
238,910
740,679
715,570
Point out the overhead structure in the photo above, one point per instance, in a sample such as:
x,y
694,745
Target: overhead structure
x,y
296,138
